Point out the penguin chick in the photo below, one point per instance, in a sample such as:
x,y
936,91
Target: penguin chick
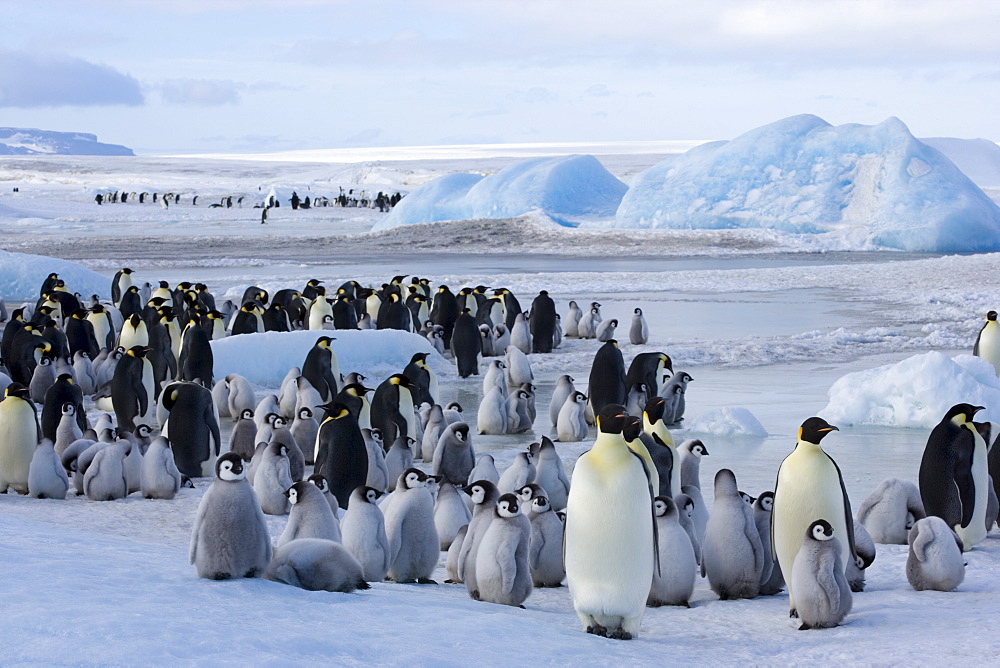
x,y
822,595
732,553
159,477
502,570
46,476
674,583
935,558
310,515
363,533
271,479
315,564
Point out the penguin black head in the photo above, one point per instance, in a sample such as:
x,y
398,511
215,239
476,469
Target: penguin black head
x,y
134,320
68,408
370,494
697,448
966,410
461,431
138,351
508,506
684,503
305,413
530,491
540,504
65,377
320,481
297,490
479,490
126,270
80,314
992,316
399,379
766,501
418,357
17,390
612,419
246,414
413,478
746,497
633,427
814,429
664,506
97,308
637,311
820,530
144,431
229,467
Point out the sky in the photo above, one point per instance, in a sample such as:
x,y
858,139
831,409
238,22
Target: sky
x,y
208,76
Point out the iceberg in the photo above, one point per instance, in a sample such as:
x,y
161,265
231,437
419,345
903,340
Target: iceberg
x,y
803,175
565,188
32,141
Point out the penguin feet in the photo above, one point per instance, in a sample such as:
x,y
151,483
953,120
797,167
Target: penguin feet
x,y
598,630
474,594
221,576
449,581
804,627
252,573
522,607
793,614
362,584
426,581
620,634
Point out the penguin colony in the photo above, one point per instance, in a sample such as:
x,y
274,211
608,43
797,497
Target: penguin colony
x,y
630,529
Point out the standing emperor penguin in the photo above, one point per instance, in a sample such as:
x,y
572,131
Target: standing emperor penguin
x,y
272,478
564,388
809,488
160,478
321,368
409,525
196,362
935,560
988,341
19,434
132,389
392,409
649,368
638,333
484,495
546,547
771,581
229,538
341,453
363,533
607,378
949,487
305,428
466,344
653,424
675,583
310,515
823,597
610,545
550,474
732,552
691,452
542,322
192,427
47,478
450,513
454,457
572,324
119,284
502,569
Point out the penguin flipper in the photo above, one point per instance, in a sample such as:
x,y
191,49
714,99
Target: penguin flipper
x,y
535,549
652,511
508,567
827,580
919,540
140,392
198,519
213,427
963,476
848,513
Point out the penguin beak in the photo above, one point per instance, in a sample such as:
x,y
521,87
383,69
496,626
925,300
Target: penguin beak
x,y
830,428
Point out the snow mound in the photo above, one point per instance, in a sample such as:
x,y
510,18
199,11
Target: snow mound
x,y
916,392
979,159
32,141
264,359
566,188
728,421
22,275
803,175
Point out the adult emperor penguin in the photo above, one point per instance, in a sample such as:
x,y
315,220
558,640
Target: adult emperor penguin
x,y
542,323
310,515
610,548
315,564
63,391
119,284
363,532
229,538
502,569
409,525
423,380
809,487
466,344
341,453
196,361
192,427
948,480
935,559
649,368
824,598
607,385
988,341
321,368
392,409
132,389
652,424
732,554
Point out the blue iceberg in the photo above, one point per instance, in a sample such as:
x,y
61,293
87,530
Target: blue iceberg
x,y
565,188
803,175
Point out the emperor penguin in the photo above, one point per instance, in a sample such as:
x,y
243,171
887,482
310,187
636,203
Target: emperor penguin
x,y
864,555
63,391
485,470
564,388
809,488
450,513
571,424
987,343
19,434
732,552
572,324
890,511
104,331
685,513
105,478
610,548
674,584
121,282
324,487
502,569
42,378
398,459
484,496
518,411
271,479
409,524
196,361
546,547
674,395
192,427
649,368
605,330
454,457
451,561
466,343
132,390
691,452
492,416
517,368
378,471
363,531
322,369
520,336
85,374
305,428
520,472
495,377
550,474
392,408
638,332
542,322
935,558
607,378
46,476
134,332
160,478
587,326
310,515
653,424
762,506
230,538
315,564
822,597
432,433
242,439
341,453
948,484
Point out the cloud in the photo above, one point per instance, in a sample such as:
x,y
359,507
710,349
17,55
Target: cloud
x,y
598,90
35,80
200,92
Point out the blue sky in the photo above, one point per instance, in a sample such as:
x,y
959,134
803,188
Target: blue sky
x,y
245,75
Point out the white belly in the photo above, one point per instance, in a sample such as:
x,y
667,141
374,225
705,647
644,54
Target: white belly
x,y
975,533
989,345
18,437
